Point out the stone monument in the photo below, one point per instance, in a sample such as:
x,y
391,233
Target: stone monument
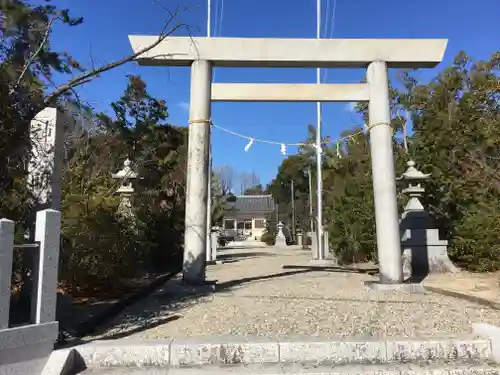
x,y
47,131
423,251
280,237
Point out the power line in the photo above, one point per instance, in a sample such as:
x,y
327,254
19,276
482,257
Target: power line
x,y
216,16
332,27
221,17
334,11
327,17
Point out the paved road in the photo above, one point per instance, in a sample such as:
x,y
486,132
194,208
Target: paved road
x,y
259,294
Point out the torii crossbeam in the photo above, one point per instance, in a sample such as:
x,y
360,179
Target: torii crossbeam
x,y
376,55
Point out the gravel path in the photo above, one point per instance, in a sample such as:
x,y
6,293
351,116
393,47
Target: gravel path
x,y
256,296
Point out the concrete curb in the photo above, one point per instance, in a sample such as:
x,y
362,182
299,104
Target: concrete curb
x,y
346,370
241,351
61,362
323,263
493,334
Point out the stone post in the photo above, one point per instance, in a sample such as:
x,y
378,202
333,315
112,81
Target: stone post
x,y
47,234
195,238
384,179
211,253
280,237
300,241
6,254
125,176
214,241
314,245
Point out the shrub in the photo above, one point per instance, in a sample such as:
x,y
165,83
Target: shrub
x,y
268,238
98,249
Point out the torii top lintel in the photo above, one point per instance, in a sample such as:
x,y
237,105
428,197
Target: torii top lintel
x,y
299,53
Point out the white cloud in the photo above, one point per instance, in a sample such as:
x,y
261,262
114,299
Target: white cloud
x,y
183,105
351,107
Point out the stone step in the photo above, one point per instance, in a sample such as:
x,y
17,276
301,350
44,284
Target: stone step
x,y
241,351
299,369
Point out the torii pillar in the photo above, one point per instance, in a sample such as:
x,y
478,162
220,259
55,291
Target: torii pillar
x,y
377,55
383,175
198,170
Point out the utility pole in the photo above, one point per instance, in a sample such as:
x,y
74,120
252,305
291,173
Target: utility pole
x,y
277,215
309,173
293,213
208,249
209,16
319,178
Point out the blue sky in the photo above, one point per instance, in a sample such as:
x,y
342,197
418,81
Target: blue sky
x,y
102,38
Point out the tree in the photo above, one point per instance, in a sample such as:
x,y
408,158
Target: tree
x,y
456,121
99,249
219,201
248,181
294,167
348,200
27,65
348,211
225,175
255,190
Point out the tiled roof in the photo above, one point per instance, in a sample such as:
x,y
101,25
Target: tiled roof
x,y
252,203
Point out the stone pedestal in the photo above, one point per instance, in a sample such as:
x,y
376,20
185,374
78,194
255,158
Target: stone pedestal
x,y
424,253
406,288
422,250
180,288
280,237
329,260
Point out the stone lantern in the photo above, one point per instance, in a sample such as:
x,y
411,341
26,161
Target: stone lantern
x,y
423,251
125,176
280,237
415,191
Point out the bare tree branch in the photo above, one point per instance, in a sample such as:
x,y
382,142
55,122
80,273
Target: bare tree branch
x,y
38,50
88,76
225,175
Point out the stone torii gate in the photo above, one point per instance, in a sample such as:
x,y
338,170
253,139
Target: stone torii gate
x,y
376,55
